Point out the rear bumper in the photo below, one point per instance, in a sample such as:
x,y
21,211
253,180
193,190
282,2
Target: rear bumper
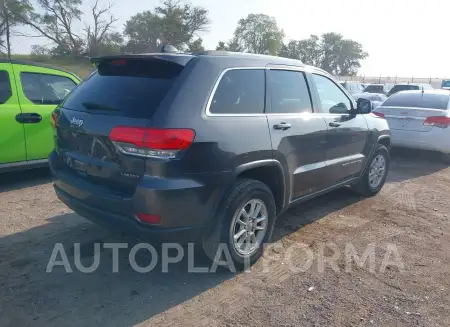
x,y
186,206
130,225
434,140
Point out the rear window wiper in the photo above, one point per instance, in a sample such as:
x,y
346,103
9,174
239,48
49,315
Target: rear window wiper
x,y
98,106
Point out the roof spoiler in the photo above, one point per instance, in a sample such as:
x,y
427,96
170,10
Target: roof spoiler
x,y
168,53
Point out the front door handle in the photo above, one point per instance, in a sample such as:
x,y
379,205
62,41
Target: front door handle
x,y
28,118
283,126
334,124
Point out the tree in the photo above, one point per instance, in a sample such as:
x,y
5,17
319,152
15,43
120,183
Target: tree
x,y
350,57
258,33
331,52
10,13
232,45
170,23
196,45
55,21
100,37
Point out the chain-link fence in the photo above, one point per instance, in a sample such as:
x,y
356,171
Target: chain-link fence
x,y
435,82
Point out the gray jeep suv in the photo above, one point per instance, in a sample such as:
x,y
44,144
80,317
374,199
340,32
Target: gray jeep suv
x,y
211,146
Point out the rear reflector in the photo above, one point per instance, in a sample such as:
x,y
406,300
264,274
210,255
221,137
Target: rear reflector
x,y
437,121
148,218
378,114
151,142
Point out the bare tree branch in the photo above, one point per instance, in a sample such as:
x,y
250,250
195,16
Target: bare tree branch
x,y
102,26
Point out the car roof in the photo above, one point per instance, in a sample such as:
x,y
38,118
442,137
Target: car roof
x,y
414,84
179,56
184,58
435,91
36,64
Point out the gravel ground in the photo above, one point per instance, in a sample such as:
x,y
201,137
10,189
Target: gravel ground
x,y
406,225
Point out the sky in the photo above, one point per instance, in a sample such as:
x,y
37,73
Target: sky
x,y
403,37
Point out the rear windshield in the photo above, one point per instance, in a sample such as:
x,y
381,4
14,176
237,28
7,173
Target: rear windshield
x,y
374,89
373,97
133,88
418,100
398,88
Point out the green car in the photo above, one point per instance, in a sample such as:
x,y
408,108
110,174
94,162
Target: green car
x,y
29,92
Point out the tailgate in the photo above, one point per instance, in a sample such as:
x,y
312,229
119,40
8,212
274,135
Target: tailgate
x,y
82,141
122,92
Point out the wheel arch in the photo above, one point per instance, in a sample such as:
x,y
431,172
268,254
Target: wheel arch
x,y
384,140
269,172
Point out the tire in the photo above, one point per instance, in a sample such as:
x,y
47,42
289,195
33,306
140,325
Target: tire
x,y
364,186
446,157
242,195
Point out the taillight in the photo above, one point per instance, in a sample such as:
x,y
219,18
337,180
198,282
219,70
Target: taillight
x,y
378,114
149,218
53,118
150,142
437,121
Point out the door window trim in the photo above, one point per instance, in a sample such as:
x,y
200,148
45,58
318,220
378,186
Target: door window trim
x,y
39,73
216,85
208,113
317,98
300,70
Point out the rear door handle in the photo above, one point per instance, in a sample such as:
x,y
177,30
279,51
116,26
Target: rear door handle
x,y
334,124
283,126
28,118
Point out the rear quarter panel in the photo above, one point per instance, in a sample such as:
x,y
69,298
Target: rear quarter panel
x,y
221,143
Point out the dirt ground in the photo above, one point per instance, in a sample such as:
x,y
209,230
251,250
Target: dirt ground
x,y
408,222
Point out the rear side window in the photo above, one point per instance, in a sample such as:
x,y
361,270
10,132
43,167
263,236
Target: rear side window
x,y
289,92
240,91
128,87
45,88
5,86
418,100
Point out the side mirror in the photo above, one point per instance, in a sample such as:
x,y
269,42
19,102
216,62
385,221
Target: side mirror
x,y
339,108
364,106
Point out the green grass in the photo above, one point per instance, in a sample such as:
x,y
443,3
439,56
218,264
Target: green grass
x,y
81,67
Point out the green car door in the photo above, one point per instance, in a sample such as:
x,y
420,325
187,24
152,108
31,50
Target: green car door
x,y
40,90
12,138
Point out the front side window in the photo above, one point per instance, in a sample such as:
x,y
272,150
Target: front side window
x,y
289,92
5,86
332,99
45,88
240,91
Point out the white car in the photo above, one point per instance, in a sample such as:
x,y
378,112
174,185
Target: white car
x,y
419,120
